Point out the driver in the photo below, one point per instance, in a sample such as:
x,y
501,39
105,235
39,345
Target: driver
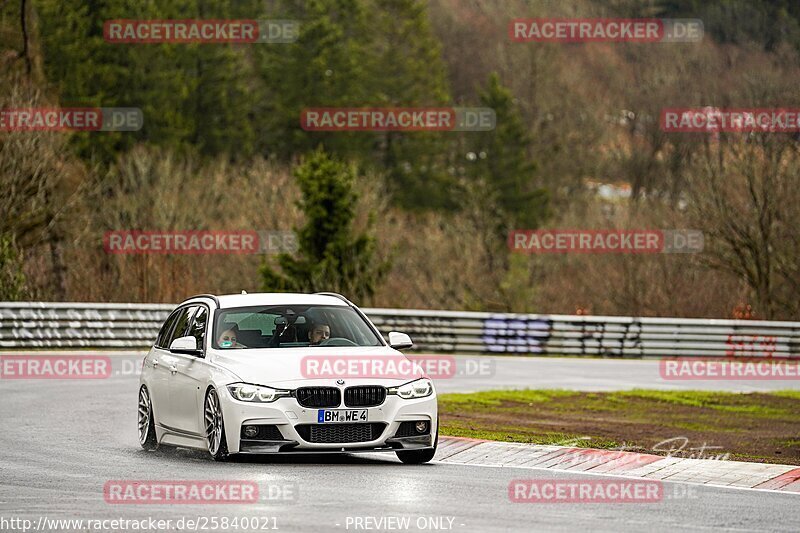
x,y
319,333
228,339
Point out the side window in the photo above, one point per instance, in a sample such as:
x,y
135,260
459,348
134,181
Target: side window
x,y
162,341
198,327
181,324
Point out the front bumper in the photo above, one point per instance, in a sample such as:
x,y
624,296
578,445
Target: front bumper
x,y
290,418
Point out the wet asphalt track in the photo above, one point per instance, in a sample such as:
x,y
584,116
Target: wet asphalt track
x,y
62,440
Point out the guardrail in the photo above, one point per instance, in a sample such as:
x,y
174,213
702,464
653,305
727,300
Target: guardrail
x,y
91,325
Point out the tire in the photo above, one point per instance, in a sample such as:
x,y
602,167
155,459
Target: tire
x,y
215,427
418,457
146,421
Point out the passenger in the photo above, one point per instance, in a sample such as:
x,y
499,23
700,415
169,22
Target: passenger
x,y
228,339
319,333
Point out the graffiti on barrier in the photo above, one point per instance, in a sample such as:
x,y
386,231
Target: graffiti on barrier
x,y
516,335
751,345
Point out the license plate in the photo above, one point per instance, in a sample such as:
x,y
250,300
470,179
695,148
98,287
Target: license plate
x,y
327,416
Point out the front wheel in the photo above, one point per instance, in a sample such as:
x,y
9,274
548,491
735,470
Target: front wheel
x,y
417,457
147,425
215,427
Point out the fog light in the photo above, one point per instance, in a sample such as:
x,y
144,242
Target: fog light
x,y
250,431
421,426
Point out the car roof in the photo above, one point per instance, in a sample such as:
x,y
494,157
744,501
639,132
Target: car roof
x,y
226,301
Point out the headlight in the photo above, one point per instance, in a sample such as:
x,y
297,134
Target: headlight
x,y
416,389
254,393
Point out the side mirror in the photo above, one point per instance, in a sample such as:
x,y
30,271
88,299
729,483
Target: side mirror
x,y
399,341
187,345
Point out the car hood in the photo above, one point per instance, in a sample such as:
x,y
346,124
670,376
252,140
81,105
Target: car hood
x,y
297,367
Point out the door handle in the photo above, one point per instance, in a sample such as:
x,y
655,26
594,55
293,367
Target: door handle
x,y
173,369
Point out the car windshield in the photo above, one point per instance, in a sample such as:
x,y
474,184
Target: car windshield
x,y
291,326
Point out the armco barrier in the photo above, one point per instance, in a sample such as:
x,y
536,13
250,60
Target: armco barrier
x,y
66,325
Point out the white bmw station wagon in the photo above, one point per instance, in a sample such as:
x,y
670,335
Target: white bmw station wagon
x,y
283,373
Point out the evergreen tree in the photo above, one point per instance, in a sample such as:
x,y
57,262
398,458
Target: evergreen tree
x,y
191,95
501,158
328,66
221,100
330,255
410,72
360,53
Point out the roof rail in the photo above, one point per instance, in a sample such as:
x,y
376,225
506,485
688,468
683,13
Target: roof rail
x,y
210,296
335,295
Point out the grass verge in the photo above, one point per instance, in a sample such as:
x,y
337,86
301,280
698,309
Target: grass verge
x,y
763,427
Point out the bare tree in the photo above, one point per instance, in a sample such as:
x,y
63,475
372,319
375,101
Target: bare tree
x,y
745,194
23,22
